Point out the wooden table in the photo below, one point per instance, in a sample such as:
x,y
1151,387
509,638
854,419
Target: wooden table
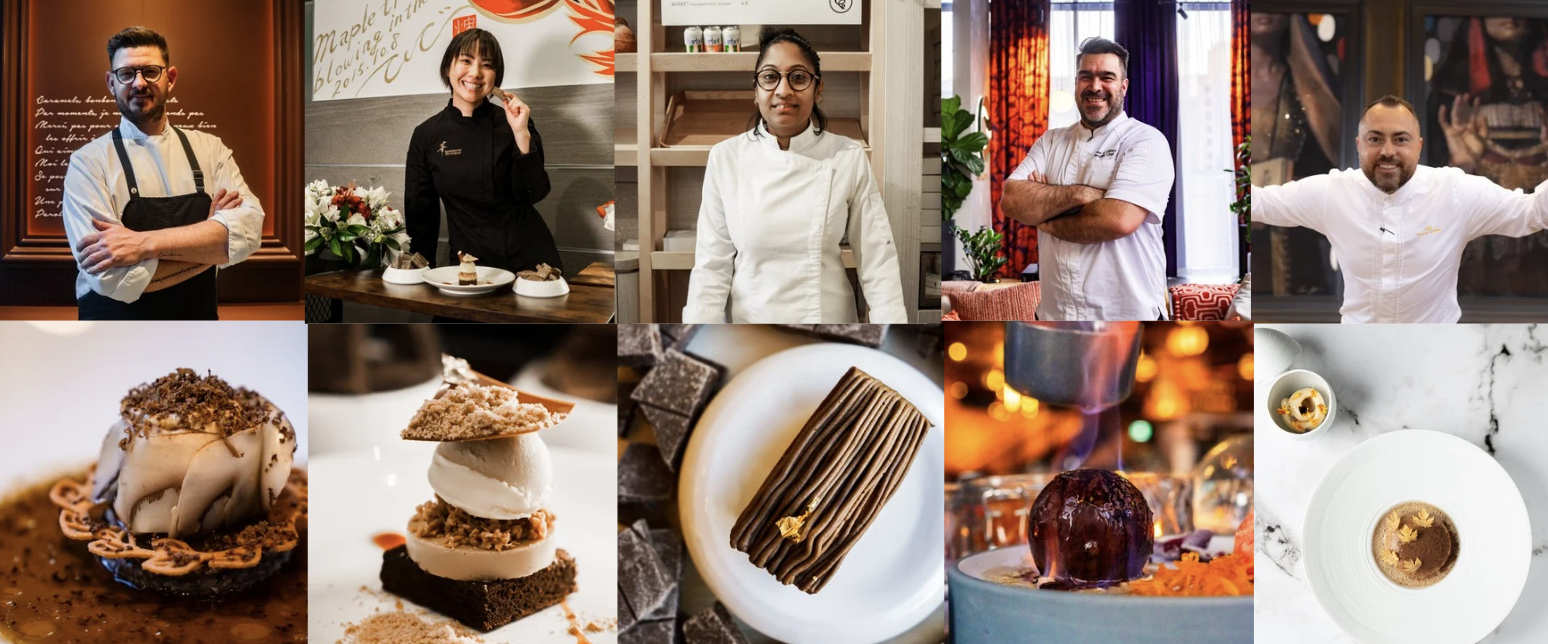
x,y
590,299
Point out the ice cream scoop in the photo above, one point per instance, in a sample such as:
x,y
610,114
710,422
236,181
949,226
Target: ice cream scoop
x,y
190,454
502,478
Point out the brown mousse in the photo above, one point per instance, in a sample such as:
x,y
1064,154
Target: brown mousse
x,y
1415,544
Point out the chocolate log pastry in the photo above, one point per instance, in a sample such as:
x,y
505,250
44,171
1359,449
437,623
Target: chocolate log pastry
x,y
831,482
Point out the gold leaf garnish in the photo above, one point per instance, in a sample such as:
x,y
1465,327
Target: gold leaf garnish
x,y
1411,566
1423,519
1393,520
1407,534
1389,557
791,527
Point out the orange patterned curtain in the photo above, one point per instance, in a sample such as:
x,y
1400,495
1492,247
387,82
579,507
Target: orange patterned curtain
x,y
1241,95
1018,110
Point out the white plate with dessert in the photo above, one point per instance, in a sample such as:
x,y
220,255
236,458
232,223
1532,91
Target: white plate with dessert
x,y
1368,535
891,580
446,278
378,495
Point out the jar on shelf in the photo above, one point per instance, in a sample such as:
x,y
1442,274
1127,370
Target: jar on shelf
x,y
733,37
693,39
712,40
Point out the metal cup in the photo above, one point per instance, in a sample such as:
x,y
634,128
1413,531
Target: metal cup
x,y
1089,365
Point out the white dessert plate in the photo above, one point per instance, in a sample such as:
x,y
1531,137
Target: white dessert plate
x,y
896,574
445,278
359,495
1493,533
404,275
539,288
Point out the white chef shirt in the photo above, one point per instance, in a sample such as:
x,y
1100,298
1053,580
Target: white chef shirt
x,y
769,230
1122,279
95,188
1400,253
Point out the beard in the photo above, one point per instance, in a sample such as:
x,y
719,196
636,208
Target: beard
x,y
1388,184
1113,107
140,116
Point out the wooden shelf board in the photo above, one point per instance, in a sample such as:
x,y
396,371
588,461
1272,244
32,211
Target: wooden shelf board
x,y
743,61
626,62
697,120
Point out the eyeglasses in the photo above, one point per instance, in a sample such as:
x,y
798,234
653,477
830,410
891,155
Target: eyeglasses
x,y
126,75
799,79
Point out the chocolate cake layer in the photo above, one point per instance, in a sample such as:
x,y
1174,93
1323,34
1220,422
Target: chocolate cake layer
x,y
831,482
484,605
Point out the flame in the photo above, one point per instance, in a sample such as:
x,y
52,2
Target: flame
x,y
594,16
1158,529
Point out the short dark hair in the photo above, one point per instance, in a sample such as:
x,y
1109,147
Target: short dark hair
x,y
1097,45
770,37
137,37
1390,101
471,42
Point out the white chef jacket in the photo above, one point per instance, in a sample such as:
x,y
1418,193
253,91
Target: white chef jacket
x,y
94,188
1122,279
1400,253
769,230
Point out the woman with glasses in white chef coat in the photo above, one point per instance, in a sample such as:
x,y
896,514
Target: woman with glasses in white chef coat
x,y
778,200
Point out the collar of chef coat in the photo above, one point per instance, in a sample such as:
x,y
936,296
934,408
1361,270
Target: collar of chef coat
x,y
481,111
130,131
1419,186
1110,126
798,143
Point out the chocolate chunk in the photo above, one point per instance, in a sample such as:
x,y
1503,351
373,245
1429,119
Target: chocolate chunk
x,y
484,605
650,633
643,476
869,335
713,625
642,579
626,618
671,433
680,383
669,548
677,336
639,345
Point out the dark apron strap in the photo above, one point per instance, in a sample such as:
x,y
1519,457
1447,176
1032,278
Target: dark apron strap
x,y
123,160
193,161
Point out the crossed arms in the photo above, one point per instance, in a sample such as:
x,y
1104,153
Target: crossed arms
x,y
1076,213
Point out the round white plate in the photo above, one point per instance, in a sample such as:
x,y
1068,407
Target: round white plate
x,y
535,288
404,276
358,495
892,579
445,278
1445,471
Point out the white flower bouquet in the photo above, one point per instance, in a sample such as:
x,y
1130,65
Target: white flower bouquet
x,y
354,224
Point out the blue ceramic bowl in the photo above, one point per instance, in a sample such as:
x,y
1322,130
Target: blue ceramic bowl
x,y
989,612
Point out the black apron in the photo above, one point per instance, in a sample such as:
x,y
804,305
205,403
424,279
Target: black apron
x,y
194,299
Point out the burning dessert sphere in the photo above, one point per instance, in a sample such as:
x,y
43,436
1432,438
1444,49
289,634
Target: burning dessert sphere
x,y
1090,527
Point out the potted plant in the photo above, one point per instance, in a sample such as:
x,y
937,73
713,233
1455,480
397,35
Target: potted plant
x,y
983,252
961,161
1242,207
350,227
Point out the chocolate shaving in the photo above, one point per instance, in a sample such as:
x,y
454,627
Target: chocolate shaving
x,y
439,519
187,401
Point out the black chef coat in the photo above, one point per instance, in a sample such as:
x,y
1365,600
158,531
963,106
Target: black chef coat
x,y
472,165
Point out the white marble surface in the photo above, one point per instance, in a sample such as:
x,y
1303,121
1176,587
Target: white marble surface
x,y
1485,383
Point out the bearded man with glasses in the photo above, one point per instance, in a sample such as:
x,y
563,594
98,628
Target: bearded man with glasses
x,y
151,210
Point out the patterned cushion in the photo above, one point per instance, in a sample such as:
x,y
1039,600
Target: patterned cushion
x,y
1017,302
1201,301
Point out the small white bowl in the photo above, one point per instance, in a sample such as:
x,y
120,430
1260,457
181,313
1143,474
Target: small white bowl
x,y
1288,383
404,275
536,288
1275,351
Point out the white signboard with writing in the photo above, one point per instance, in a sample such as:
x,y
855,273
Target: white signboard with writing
x,y
365,48
767,12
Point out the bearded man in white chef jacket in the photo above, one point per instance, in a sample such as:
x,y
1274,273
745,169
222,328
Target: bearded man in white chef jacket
x,y
1097,191
152,210
1398,228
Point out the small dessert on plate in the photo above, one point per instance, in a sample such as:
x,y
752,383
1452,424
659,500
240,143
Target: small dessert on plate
x,y
483,550
467,271
193,493
1415,544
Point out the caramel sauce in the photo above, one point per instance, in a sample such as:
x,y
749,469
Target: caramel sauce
x,y
388,540
53,591
575,627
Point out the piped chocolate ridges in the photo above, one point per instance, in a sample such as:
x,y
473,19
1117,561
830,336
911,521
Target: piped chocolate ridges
x,y
831,482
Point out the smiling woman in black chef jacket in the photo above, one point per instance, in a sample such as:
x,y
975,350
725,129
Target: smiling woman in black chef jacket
x,y
484,162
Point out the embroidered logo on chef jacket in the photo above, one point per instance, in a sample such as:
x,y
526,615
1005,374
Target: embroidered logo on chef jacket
x,y
1105,153
448,153
1427,230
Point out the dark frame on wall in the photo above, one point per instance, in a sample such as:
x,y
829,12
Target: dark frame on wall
x,y
1496,309
1322,308
40,271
